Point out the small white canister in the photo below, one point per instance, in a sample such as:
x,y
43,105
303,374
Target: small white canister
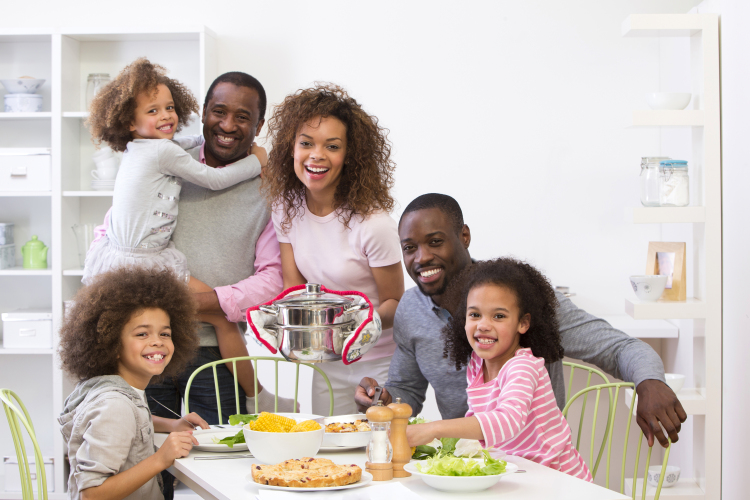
x,y
23,103
27,328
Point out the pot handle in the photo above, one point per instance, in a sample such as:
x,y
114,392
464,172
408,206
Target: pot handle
x,y
356,307
269,309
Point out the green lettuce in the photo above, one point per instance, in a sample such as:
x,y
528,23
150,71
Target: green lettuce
x,y
240,436
242,419
445,465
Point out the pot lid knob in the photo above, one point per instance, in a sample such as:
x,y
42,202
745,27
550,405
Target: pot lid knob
x,y
312,289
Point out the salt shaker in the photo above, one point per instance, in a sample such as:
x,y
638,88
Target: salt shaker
x,y
401,449
379,449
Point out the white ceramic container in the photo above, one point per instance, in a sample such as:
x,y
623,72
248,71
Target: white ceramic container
x,y
671,476
6,233
25,169
675,381
23,103
668,100
22,85
275,447
649,287
27,328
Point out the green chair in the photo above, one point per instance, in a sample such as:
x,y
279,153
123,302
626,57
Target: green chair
x,y
612,413
15,418
568,394
276,361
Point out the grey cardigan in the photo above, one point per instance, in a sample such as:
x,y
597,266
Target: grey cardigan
x,y
108,428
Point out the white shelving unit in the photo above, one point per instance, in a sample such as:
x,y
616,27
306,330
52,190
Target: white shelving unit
x,y
701,312
64,57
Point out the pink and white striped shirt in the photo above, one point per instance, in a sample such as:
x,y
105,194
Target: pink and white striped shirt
x,y
518,413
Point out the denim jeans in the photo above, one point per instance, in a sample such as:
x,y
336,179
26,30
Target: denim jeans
x,y
171,392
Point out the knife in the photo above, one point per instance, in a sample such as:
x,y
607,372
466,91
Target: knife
x,y
175,413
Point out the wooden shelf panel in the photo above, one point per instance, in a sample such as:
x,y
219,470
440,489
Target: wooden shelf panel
x,y
685,489
643,329
673,25
668,118
692,400
666,215
85,194
41,115
690,309
20,271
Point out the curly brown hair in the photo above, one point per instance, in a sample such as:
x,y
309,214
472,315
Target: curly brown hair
x,y
534,295
113,108
367,176
91,334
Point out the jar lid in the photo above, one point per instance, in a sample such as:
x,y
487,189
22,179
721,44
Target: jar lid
x,y
98,75
652,159
674,164
379,413
313,296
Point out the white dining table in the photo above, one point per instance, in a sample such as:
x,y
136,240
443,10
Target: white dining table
x,y
226,479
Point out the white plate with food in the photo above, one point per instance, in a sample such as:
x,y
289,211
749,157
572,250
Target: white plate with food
x,y
308,474
366,479
340,448
461,484
345,431
208,439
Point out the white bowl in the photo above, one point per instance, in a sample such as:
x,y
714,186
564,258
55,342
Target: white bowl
x,y
23,103
674,381
671,476
649,287
275,447
349,439
668,100
22,85
459,483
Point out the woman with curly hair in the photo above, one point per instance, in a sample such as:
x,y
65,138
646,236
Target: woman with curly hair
x,y
328,179
127,327
505,327
139,113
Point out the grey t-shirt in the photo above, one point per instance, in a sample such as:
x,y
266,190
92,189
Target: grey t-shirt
x,y
419,360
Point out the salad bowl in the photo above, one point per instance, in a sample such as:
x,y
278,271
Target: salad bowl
x,y
462,484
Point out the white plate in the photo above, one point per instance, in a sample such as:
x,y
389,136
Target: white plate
x,y
204,437
460,483
340,448
366,479
348,440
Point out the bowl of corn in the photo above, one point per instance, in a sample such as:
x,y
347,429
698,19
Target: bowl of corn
x,y
274,438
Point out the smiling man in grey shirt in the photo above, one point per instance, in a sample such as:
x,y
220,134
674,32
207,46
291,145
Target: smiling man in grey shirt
x,y
435,244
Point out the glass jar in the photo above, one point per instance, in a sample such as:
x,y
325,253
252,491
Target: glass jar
x,y
650,180
674,183
96,81
379,449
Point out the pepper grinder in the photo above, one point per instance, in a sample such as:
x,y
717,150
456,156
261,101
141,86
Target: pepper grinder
x,y
401,449
379,449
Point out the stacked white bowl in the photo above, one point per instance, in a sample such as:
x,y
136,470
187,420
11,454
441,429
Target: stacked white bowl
x,y
22,96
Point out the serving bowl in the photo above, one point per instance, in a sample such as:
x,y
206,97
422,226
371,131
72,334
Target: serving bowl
x,y
23,103
22,85
674,381
348,439
460,484
649,287
671,476
275,447
668,100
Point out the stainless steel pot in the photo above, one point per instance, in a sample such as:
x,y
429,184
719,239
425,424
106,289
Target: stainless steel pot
x,y
313,326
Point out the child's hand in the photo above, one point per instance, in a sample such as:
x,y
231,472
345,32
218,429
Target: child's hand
x,y
260,154
418,434
177,445
183,424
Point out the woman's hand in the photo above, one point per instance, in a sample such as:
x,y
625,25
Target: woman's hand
x,y
177,445
419,434
260,154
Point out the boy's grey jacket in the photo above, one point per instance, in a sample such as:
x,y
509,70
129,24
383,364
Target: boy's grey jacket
x,y
108,428
418,360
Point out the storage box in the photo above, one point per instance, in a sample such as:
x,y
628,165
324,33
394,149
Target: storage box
x,y
27,328
13,476
25,169
7,256
6,233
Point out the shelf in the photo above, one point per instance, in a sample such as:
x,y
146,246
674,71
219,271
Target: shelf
x,y
673,25
643,328
662,309
668,118
26,116
75,114
693,401
135,34
685,489
666,215
84,194
24,193
25,351
20,271
73,272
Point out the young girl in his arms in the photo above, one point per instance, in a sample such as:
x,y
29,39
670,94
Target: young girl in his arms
x,y
128,326
505,327
139,113
329,179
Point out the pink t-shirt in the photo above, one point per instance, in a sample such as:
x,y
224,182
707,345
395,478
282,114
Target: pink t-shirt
x,y
338,258
518,413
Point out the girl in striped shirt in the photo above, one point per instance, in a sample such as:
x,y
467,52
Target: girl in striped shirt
x,y
505,328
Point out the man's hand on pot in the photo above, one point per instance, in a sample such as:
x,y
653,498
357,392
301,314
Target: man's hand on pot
x,y
657,403
366,390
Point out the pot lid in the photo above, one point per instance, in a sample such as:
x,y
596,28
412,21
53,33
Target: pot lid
x,y
34,243
313,296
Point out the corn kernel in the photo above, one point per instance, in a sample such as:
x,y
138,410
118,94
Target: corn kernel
x,y
306,426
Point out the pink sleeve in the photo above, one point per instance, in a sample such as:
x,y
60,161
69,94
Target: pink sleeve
x,y
277,215
380,242
513,405
265,284
100,231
